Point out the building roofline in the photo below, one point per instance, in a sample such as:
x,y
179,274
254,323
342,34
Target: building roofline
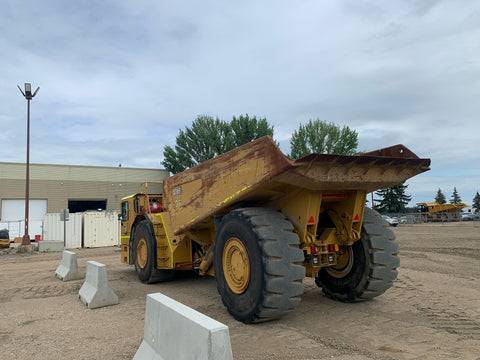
x,y
81,166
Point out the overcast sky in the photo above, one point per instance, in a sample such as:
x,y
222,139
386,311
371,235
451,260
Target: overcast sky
x,y
118,79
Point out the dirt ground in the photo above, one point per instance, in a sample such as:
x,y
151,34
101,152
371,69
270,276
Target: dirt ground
x,y
431,312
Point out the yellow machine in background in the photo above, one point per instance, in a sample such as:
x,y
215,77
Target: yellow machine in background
x,y
260,222
440,212
4,239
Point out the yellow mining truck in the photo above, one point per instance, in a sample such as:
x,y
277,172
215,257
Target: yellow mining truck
x,y
260,222
440,212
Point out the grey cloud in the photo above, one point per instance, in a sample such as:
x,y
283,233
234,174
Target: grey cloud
x,y
117,73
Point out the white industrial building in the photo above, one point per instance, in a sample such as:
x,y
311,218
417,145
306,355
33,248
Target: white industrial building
x,y
55,187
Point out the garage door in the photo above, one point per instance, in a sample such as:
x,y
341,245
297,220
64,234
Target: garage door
x,y
14,210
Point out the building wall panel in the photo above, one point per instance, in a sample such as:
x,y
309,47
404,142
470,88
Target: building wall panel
x,y
60,183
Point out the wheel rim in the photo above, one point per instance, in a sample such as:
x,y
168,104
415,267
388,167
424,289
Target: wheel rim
x,y
236,266
142,253
344,263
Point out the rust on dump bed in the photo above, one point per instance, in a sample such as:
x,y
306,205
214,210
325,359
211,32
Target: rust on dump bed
x,y
260,172
366,172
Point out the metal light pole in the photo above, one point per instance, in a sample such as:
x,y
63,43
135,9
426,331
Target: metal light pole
x,y
29,96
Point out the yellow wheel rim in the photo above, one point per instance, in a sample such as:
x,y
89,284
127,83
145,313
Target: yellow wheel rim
x,y
344,263
236,266
142,253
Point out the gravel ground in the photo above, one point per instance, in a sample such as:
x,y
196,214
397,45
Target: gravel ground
x,y
431,312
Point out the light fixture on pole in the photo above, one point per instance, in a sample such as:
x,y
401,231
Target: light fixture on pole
x,y
29,96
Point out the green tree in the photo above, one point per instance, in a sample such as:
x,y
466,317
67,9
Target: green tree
x,y
455,197
394,199
322,137
440,198
209,137
476,202
246,129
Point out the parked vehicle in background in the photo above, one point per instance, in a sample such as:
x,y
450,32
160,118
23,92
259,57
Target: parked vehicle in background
x,y
391,221
4,238
466,216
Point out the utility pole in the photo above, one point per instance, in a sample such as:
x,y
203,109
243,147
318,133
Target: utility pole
x,y
29,96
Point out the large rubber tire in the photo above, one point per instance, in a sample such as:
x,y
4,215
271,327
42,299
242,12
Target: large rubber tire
x,y
373,265
261,243
145,256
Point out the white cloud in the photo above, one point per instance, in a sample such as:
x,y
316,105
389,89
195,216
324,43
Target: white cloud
x,y
119,78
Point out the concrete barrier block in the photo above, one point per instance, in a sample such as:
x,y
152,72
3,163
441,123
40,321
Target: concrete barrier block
x,y
68,268
95,291
176,331
47,245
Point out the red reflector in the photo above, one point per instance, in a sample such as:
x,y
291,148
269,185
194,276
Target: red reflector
x,y
334,196
311,220
184,265
313,249
331,248
356,218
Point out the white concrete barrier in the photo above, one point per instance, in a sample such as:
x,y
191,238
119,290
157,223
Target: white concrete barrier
x,y
95,291
175,331
68,268
50,246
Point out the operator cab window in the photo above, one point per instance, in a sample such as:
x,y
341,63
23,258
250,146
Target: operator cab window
x,y
125,210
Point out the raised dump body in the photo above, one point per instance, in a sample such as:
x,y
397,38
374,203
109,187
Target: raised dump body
x,y
260,222
259,172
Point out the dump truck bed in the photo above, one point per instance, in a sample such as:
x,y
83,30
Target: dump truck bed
x,y
260,172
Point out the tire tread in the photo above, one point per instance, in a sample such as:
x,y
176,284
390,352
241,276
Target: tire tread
x,y
382,252
281,258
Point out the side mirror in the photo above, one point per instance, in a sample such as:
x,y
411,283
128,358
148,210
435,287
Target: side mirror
x,y
120,217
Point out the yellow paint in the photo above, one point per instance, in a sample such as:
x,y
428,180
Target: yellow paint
x,y
231,197
168,239
218,205
236,265
128,197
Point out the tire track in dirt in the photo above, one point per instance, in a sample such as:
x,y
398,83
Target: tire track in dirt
x,y
464,252
443,315
349,349
41,291
454,321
